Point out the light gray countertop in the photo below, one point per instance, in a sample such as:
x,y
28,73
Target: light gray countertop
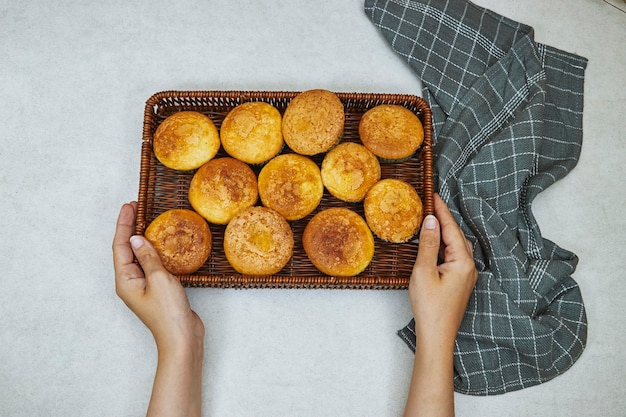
x,y
74,78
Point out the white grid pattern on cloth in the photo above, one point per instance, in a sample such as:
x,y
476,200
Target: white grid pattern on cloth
x,y
507,117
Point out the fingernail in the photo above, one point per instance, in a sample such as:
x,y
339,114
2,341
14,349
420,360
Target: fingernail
x,y
136,242
430,222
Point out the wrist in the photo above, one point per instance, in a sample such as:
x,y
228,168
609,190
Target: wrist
x,y
435,340
434,352
181,339
181,349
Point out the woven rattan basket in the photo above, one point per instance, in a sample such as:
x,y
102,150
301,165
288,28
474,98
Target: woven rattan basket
x,y
161,189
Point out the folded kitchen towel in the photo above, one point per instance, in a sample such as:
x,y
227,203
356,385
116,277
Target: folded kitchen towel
x,y
507,113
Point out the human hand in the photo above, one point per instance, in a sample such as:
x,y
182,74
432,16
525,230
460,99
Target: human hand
x,y
439,293
160,302
151,292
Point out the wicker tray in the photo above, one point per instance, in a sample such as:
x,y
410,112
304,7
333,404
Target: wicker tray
x,y
161,189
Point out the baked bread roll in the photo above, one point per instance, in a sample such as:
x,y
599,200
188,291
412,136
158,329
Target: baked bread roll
x,y
182,239
221,188
393,210
258,241
313,122
292,185
186,140
349,170
391,132
252,132
338,242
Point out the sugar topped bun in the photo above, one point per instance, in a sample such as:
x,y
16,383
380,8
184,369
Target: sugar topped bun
x,y
258,241
182,239
221,188
252,132
313,122
349,170
391,132
292,185
393,210
338,242
186,140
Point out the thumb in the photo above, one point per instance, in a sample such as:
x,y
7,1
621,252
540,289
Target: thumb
x,y
146,255
428,247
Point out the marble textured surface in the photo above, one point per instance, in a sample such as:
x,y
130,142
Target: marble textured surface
x,y
74,77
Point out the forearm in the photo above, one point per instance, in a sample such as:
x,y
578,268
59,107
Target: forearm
x,y
177,389
432,384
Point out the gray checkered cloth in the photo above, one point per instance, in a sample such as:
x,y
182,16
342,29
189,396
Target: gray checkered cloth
x,y
507,113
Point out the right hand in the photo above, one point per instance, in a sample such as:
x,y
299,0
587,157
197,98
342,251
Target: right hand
x,y
439,292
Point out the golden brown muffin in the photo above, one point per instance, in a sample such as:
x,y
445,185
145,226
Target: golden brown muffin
x,y
391,132
186,140
252,132
338,242
393,210
221,188
349,170
182,238
258,241
313,122
292,185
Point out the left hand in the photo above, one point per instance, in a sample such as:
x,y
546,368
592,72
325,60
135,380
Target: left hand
x,y
151,292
